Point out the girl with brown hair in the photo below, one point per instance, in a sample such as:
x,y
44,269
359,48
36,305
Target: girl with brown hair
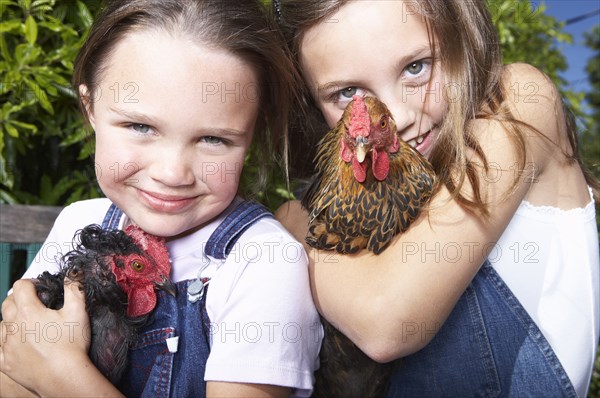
x,y
495,289
176,91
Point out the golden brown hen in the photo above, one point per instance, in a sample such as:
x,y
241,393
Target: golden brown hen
x,y
354,203
369,186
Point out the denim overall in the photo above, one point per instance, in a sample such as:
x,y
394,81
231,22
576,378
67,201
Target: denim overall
x,y
169,357
488,347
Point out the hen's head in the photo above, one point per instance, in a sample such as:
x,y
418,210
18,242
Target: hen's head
x,y
112,264
370,133
140,272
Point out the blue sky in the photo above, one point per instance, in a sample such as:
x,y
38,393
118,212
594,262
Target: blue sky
x,y
577,53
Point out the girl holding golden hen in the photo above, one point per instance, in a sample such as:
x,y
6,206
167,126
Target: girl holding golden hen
x,y
494,290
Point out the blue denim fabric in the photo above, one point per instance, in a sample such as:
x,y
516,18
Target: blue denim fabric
x,y
154,371
488,347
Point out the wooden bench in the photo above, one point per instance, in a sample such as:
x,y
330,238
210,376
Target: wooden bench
x,y
23,229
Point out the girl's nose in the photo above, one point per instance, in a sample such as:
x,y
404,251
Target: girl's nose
x,y
402,112
172,167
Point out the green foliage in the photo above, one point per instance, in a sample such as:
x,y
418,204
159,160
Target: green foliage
x,y
42,136
528,35
275,191
590,140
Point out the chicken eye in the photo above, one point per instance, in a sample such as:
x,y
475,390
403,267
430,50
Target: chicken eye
x,y
137,266
383,123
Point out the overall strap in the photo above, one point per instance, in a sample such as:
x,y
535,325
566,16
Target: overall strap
x,y
112,217
228,232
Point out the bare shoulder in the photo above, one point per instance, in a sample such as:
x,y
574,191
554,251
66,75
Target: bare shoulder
x,y
294,218
527,75
534,99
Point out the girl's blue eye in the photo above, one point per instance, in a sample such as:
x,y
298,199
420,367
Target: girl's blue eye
x,y
140,128
348,92
415,68
212,140
344,96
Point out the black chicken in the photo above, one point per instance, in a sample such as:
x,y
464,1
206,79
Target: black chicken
x,y
118,272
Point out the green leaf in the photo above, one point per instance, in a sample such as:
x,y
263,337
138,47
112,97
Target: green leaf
x,y
4,50
26,54
1,147
11,130
87,150
6,197
27,126
9,26
76,196
25,4
67,91
79,135
51,25
21,52
31,30
284,193
42,6
45,187
85,14
51,193
6,176
40,95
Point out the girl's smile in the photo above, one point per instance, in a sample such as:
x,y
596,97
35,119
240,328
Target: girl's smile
x,y
424,140
166,203
398,67
170,148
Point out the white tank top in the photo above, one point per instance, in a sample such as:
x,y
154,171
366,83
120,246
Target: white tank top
x,y
549,258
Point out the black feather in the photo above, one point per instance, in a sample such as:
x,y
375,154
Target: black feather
x,y
106,303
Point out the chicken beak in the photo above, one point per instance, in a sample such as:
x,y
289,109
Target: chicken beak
x,y
361,149
167,286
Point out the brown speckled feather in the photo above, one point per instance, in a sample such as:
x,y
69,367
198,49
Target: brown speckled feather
x,y
348,216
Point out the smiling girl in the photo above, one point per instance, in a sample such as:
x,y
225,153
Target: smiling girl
x,y
169,155
495,290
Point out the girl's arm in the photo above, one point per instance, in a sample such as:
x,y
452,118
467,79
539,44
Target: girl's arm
x,y
218,389
10,388
60,366
46,350
391,305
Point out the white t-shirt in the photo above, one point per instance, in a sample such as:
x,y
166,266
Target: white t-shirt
x,y
549,259
264,326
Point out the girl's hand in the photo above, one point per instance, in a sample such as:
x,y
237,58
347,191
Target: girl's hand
x,y
39,346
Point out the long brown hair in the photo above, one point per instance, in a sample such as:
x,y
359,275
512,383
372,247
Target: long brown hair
x,y
242,27
467,46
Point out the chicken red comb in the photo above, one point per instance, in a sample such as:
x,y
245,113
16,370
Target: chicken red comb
x,y
156,266
154,246
360,122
